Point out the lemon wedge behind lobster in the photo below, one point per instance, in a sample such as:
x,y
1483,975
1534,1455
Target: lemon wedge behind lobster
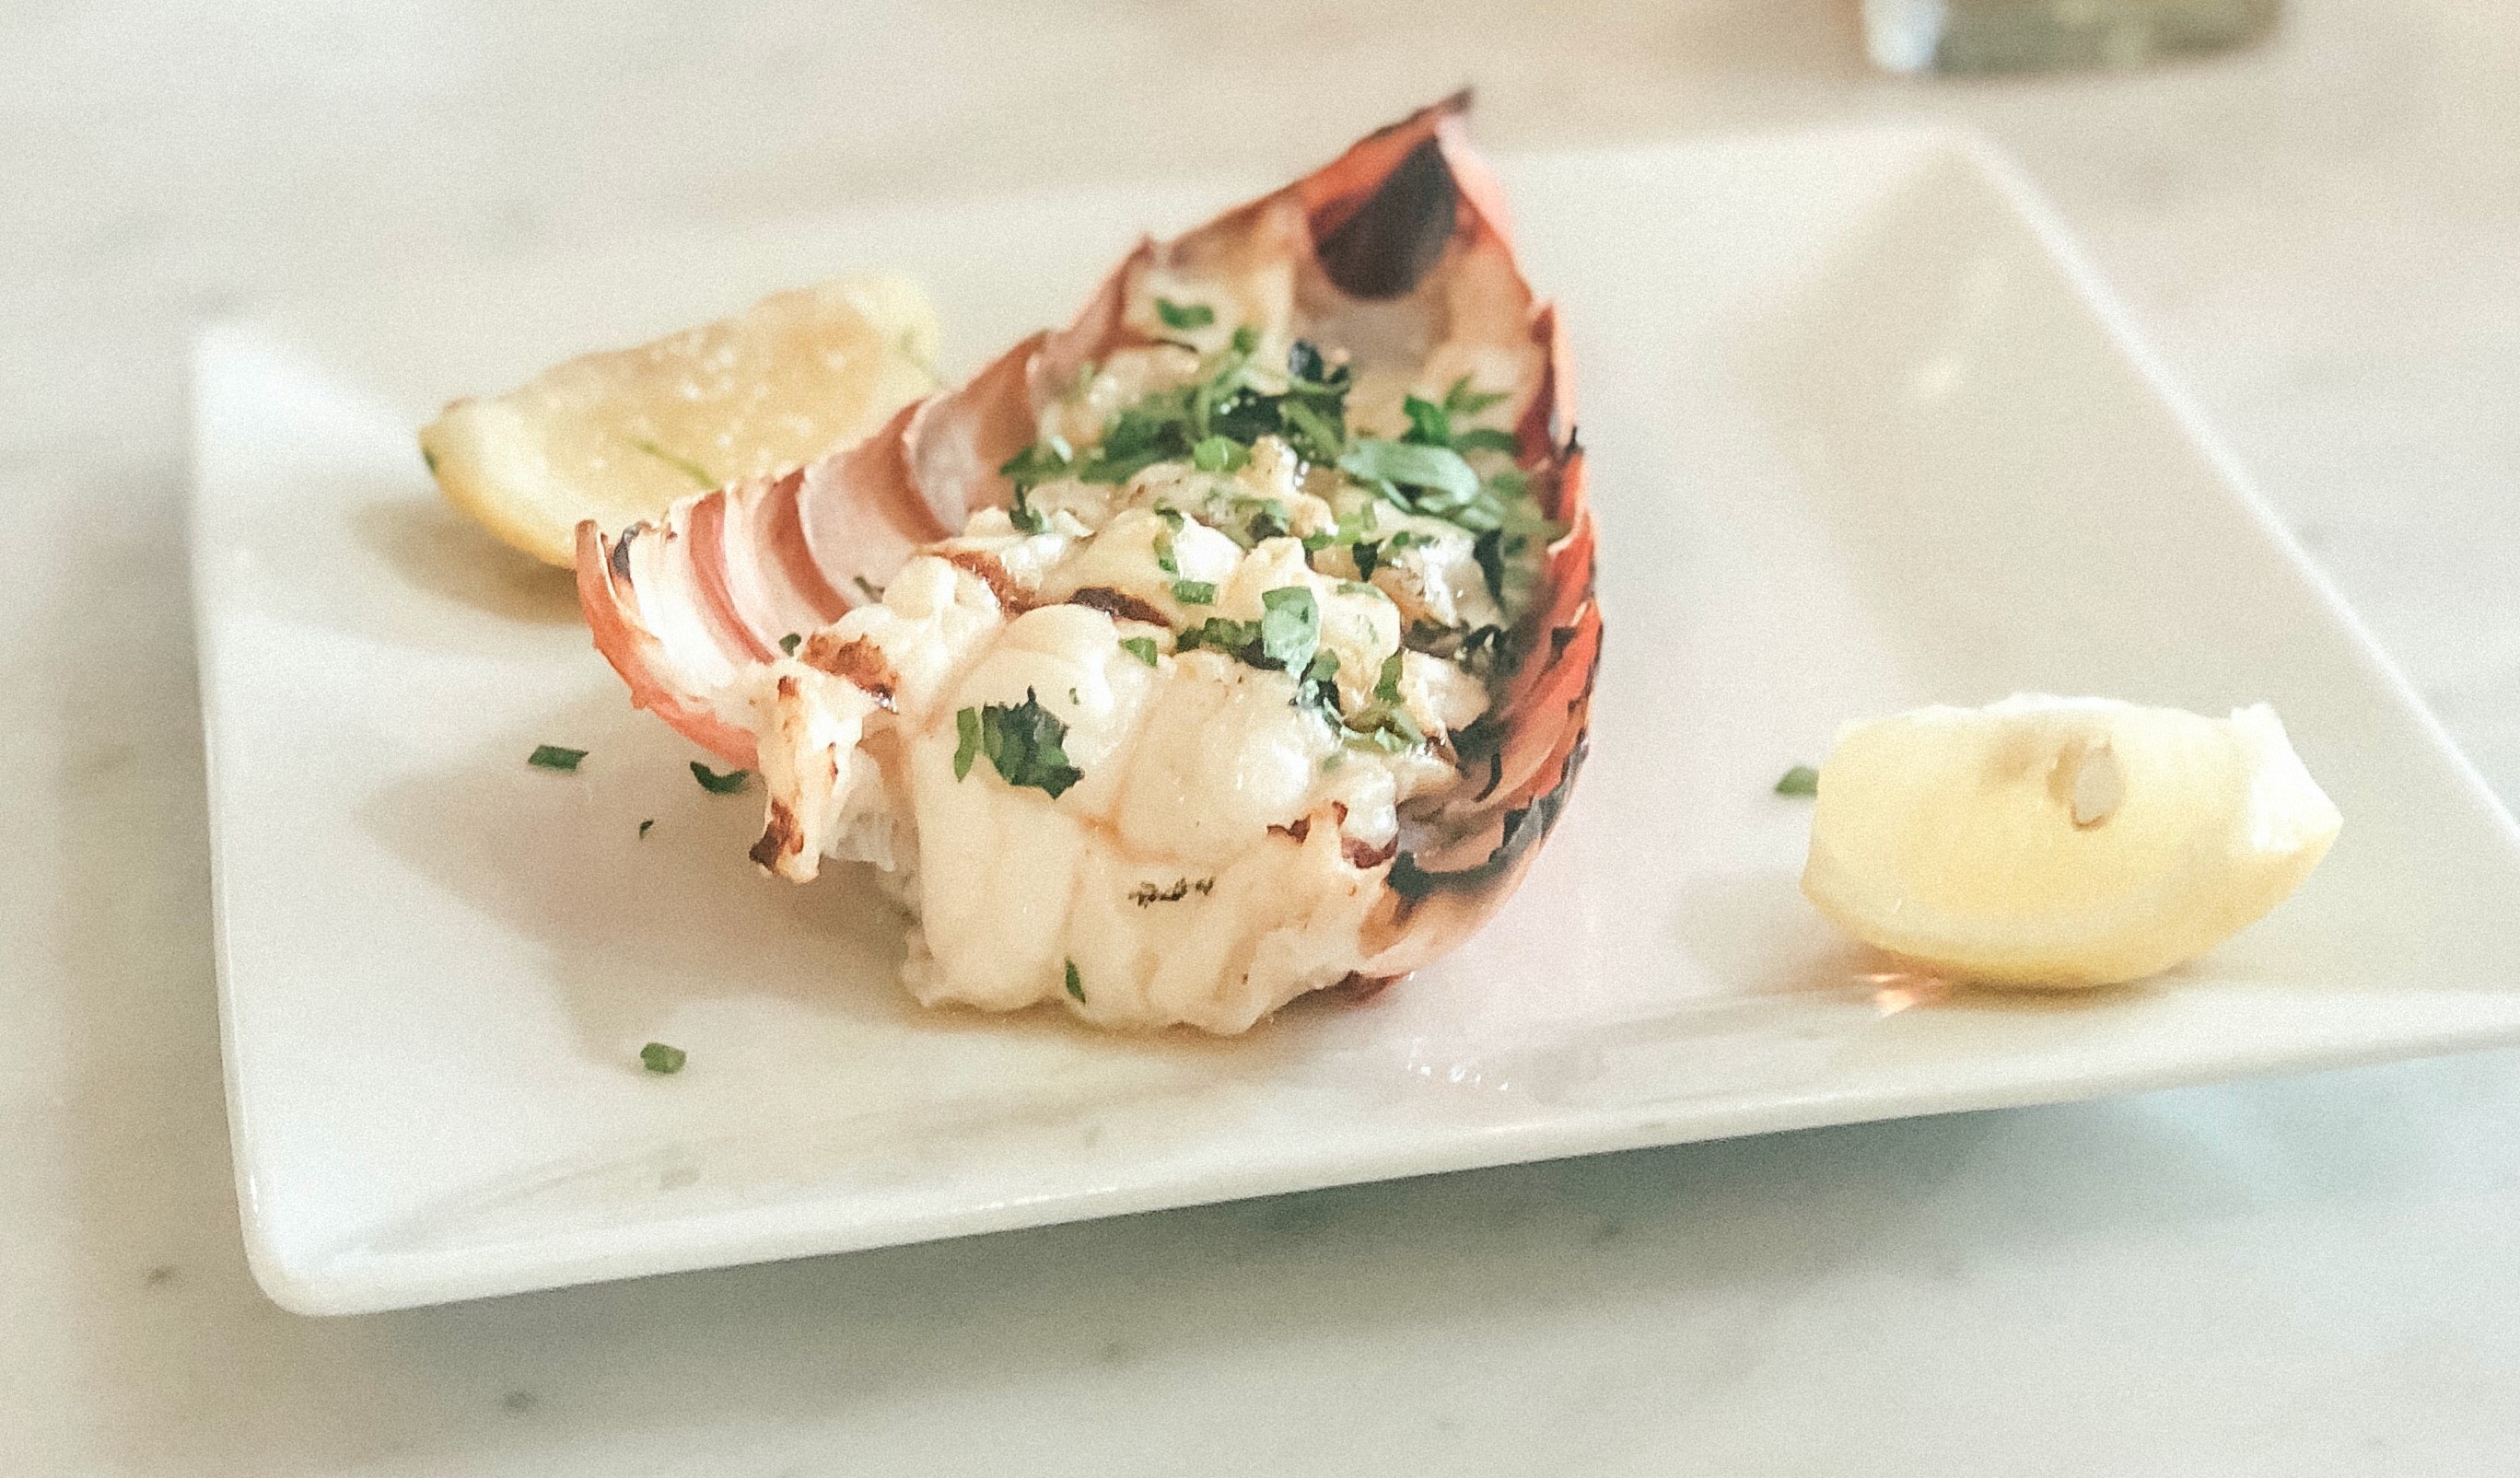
x,y
616,436
2047,842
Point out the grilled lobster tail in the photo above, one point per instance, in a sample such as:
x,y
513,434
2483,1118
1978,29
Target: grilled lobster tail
x,y
1402,239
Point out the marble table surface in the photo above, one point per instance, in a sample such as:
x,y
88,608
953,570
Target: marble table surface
x,y
2300,1277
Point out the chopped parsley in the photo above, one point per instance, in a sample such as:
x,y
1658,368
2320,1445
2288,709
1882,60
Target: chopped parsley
x,y
966,741
866,586
1235,638
1075,983
1353,526
1432,424
1022,743
1044,460
1290,627
645,825
1216,454
1461,400
1184,315
1414,478
1141,647
658,1058
554,757
1385,723
1262,519
1235,403
1286,639
1440,467
719,785
789,643
1801,780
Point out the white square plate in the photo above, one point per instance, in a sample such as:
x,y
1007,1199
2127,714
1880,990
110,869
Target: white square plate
x,y
1864,437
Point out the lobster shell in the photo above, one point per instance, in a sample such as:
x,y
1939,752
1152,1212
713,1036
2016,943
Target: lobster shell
x,y
1400,224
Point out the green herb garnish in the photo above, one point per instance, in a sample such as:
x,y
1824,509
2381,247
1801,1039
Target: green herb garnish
x,y
1801,780
1184,316
645,825
1290,627
658,1058
866,586
967,741
1231,404
554,757
1353,526
1420,479
1075,983
1141,647
1022,743
1485,439
1431,425
1194,592
719,785
1461,400
1428,425
1215,454
1044,460
789,643
1239,639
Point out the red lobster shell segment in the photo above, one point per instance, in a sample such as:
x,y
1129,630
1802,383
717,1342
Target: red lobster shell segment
x,y
1399,243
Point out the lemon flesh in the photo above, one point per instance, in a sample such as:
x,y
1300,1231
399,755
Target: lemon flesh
x,y
616,436
2045,842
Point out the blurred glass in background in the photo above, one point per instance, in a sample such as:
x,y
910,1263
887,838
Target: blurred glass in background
x,y
2038,35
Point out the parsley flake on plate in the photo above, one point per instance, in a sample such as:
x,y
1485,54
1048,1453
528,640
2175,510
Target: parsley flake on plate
x,y
554,757
1801,780
719,785
658,1058
1075,983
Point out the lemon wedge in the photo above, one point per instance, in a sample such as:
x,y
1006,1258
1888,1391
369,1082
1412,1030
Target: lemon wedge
x,y
2045,842
616,436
